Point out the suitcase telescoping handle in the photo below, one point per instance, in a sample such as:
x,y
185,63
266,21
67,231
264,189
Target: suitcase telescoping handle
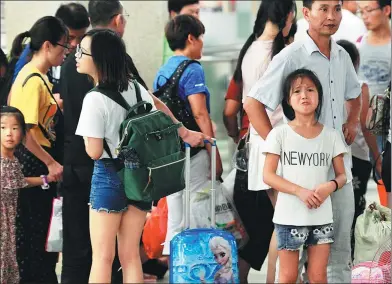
x,y
187,212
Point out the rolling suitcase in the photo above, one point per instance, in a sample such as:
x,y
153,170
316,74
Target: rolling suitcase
x,y
205,255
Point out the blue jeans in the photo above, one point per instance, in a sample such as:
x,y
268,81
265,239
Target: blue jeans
x,y
339,264
294,237
107,191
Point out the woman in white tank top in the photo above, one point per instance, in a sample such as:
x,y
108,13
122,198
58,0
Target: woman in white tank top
x,y
273,23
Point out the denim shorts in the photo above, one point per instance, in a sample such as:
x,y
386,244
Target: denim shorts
x,y
294,237
107,191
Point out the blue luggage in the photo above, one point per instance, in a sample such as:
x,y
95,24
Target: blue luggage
x,y
203,255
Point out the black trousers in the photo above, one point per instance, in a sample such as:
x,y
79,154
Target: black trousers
x,y
361,173
77,252
256,212
32,224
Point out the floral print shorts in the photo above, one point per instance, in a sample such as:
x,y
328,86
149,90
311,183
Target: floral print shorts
x,y
294,237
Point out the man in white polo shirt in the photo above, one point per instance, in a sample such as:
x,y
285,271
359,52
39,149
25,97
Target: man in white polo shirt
x,y
333,66
351,27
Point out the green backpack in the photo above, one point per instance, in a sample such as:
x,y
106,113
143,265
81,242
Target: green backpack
x,y
150,161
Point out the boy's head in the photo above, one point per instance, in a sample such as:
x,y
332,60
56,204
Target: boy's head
x,y
324,17
352,50
375,14
75,18
185,33
108,14
183,7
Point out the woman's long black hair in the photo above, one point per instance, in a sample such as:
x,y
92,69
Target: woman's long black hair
x,y
275,11
110,58
45,29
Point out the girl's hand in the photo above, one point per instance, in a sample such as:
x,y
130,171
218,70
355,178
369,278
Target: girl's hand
x,y
324,190
55,170
309,198
51,178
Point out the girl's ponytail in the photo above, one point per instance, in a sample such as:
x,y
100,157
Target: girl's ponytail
x,y
279,42
17,47
275,11
258,28
238,69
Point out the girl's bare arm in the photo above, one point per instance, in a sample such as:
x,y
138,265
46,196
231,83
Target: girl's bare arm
x,y
283,185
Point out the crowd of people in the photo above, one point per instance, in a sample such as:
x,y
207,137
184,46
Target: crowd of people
x,y
301,90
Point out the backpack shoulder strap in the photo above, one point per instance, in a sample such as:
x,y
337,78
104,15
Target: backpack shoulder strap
x,y
113,95
43,80
107,149
176,76
119,99
141,106
43,130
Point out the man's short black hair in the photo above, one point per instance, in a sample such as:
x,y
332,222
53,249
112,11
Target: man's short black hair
x,y
308,3
179,28
102,11
383,3
177,5
73,15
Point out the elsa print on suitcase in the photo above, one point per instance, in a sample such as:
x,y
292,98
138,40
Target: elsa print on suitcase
x,y
204,256
222,255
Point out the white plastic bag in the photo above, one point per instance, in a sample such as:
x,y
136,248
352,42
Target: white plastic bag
x,y
229,182
372,229
54,242
226,216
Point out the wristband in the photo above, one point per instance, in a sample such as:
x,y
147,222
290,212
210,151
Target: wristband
x,y
45,186
336,185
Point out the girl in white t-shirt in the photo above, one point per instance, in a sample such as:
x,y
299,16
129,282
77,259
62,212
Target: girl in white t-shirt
x,y
307,151
102,55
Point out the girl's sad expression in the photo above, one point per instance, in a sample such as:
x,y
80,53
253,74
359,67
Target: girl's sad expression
x,y
304,96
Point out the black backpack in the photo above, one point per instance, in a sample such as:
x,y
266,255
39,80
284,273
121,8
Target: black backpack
x,y
168,94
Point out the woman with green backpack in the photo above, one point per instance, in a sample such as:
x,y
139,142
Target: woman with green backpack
x,y
112,214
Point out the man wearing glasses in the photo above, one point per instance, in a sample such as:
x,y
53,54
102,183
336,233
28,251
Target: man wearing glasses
x,y
375,46
375,50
